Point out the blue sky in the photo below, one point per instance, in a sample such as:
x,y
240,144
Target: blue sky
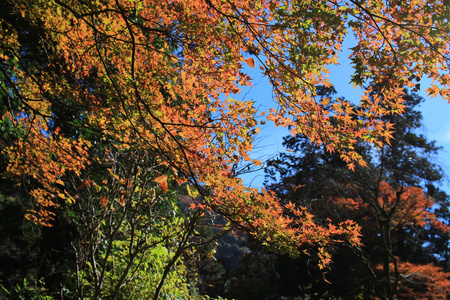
x,y
436,117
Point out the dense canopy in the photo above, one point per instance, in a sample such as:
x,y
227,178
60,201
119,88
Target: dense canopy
x,y
161,78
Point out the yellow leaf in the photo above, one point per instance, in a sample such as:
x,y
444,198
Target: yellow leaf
x,y
70,200
192,191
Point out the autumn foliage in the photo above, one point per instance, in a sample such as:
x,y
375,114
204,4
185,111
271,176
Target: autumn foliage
x,y
162,77
395,200
405,207
423,281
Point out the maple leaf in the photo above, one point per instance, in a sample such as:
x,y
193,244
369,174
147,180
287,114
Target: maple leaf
x,y
290,206
250,61
103,201
162,182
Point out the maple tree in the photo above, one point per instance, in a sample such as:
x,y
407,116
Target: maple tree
x,y
416,277
160,77
384,222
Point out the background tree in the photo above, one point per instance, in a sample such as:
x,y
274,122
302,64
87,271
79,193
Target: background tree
x,y
387,199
